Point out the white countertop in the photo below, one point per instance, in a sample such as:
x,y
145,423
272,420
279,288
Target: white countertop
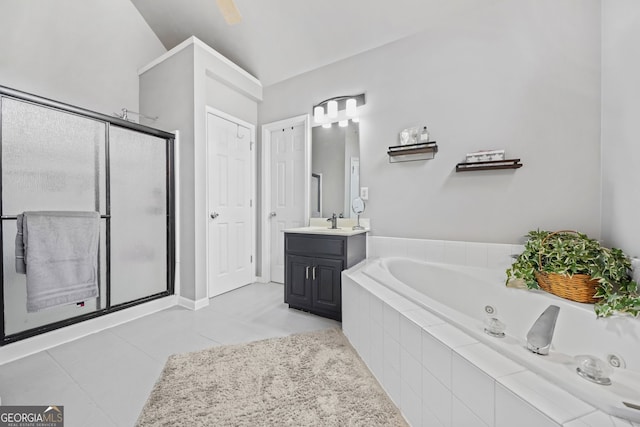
x,y
340,231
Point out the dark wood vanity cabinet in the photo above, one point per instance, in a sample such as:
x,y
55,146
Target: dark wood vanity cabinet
x,y
313,267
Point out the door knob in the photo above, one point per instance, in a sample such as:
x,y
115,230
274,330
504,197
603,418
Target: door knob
x,y
214,215
272,214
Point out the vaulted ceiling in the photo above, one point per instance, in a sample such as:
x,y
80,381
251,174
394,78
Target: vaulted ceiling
x,y
279,39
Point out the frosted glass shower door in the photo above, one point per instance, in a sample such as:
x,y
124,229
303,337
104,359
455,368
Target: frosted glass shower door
x,y
59,157
138,215
51,161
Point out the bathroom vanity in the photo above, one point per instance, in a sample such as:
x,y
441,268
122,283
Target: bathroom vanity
x,y
314,260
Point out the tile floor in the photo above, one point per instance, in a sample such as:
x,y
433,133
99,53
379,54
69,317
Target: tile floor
x,y
104,379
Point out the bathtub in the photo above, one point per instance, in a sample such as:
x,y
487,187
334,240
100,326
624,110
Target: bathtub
x,y
462,296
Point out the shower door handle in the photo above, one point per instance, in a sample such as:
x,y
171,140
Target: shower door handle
x,y
214,215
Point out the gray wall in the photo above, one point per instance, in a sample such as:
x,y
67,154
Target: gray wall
x,y
80,52
523,76
620,117
167,92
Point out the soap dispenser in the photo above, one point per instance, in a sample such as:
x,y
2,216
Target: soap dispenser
x,y
424,136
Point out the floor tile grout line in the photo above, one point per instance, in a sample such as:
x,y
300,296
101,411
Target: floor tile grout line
x,y
84,391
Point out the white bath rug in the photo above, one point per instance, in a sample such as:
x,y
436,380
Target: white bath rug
x,y
312,379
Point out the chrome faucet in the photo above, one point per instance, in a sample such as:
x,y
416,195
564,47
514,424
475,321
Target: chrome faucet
x,y
334,221
541,333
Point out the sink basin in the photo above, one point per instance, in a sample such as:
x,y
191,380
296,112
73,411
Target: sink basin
x,y
325,228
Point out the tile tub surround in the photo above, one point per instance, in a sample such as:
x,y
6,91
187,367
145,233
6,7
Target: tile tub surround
x,y
475,254
438,375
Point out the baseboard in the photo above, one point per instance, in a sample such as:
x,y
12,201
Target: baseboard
x,y
26,347
261,279
191,304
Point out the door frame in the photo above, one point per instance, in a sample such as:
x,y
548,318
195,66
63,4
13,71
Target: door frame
x,y
265,247
252,145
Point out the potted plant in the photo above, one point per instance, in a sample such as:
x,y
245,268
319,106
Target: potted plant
x,y
576,263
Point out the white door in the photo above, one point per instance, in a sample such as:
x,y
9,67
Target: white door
x,y
287,191
229,199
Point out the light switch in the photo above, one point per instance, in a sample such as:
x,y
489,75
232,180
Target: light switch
x,y
364,193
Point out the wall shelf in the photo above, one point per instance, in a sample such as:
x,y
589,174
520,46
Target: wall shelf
x,y
489,165
412,152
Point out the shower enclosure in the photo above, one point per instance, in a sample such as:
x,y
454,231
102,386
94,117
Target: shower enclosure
x,y
56,157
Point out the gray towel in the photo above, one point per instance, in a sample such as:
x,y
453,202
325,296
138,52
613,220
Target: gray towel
x,y
61,255
21,267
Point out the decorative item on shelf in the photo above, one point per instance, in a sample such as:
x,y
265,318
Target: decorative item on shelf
x,y
339,109
485,156
488,165
424,135
412,152
573,266
409,136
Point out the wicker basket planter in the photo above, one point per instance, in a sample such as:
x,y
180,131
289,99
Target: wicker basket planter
x,y
579,287
572,266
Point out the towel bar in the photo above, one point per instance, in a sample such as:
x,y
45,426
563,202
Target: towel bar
x,y
3,217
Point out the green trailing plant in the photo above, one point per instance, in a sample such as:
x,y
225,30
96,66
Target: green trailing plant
x,y
575,253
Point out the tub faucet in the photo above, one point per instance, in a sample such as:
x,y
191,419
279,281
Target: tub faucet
x,y
540,335
334,221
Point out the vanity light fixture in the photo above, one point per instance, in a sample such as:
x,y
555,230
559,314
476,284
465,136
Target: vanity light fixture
x,y
338,109
350,107
318,114
332,109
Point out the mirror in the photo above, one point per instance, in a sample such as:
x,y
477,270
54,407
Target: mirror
x,y
335,170
357,206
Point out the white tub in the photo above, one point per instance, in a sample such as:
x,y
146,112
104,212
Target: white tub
x,y
459,295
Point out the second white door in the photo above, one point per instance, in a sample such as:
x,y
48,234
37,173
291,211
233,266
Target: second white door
x,y
230,210
287,190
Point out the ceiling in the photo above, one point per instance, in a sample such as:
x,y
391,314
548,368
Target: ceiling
x,y
279,39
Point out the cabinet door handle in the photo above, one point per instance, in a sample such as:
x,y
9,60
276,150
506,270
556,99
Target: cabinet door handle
x,y
313,272
307,272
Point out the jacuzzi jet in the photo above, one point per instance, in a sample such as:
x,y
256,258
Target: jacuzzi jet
x,y
494,327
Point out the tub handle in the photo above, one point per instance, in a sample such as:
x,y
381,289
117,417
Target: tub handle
x,y
307,272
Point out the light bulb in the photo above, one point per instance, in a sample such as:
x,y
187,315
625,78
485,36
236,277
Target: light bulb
x,y
332,109
326,125
318,114
351,107
343,123
356,120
